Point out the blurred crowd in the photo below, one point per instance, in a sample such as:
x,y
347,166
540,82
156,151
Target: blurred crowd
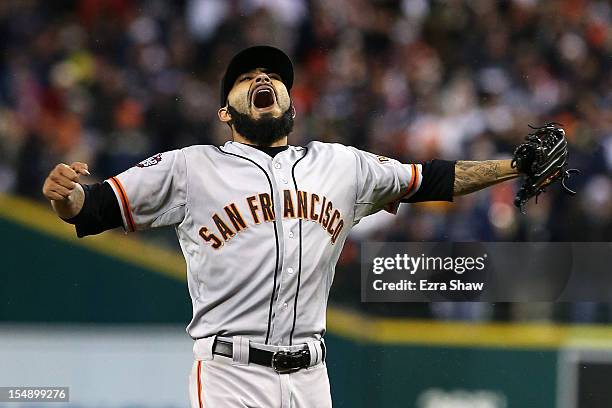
x,y
110,82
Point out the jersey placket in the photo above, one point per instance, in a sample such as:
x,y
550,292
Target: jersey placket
x,y
288,266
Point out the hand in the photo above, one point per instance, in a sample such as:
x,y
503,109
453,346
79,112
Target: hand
x,y
63,180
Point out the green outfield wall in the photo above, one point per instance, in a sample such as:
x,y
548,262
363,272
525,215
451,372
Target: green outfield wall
x,y
370,375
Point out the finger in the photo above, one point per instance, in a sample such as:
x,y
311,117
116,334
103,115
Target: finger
x,y
63,191
66,171
80,168
63,181
52,195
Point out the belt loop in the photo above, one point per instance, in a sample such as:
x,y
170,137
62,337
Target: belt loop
x,y
323,350
316,354
203,348
240,350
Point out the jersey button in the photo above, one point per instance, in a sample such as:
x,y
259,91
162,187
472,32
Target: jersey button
x,y
290,234
277,165
285,305
285,181
290,270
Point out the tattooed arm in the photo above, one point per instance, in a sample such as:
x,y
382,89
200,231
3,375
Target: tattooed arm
x,y
472,176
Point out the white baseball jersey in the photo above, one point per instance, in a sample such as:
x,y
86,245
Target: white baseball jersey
x,y
261,236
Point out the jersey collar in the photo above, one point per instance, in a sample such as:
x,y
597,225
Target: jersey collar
x,y
290,155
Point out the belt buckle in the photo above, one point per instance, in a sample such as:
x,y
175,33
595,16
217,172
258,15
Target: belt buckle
x,y
282,361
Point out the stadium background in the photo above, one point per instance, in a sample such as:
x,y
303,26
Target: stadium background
x,y
110,82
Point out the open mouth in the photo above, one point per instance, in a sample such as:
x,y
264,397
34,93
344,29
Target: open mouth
x,y
263,97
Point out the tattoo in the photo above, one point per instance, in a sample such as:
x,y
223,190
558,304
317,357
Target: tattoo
x,y
472,176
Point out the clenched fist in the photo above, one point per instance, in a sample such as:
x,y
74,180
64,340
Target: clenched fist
x,y
62,180
63,189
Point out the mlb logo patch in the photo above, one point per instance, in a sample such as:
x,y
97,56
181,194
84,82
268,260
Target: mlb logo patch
x,y
382,159
151,161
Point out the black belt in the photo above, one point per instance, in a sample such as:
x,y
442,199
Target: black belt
x,y
281,361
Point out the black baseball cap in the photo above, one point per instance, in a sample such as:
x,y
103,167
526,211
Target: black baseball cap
x,y
259,56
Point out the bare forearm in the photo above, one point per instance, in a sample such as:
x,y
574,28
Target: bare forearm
x,y
471,176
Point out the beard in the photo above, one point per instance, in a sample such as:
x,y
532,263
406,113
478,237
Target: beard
x,y
263,131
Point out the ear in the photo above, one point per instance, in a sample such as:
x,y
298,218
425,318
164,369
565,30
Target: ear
x,y
293,112
224,115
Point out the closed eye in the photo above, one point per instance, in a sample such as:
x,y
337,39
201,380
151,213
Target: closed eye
x,y
246,78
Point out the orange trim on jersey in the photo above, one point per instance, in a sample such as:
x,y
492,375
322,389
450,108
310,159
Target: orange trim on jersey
x,y
412,180
125,203
199,384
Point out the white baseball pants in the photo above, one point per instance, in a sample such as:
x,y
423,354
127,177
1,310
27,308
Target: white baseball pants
x,y
223,382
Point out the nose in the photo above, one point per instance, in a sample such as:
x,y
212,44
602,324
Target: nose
x,y
262,78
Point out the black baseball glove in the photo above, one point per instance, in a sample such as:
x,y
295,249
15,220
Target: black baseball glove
x,y
542,159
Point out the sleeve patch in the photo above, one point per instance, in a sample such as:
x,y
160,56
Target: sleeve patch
x,y
151,161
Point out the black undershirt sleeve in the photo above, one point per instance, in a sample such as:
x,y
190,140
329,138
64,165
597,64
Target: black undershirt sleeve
x,y
100,211
438,182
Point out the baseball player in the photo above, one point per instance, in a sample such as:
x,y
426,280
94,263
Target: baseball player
x,y
261,224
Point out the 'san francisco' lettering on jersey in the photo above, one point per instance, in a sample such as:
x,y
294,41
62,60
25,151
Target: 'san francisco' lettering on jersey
x,y
279,224
296,204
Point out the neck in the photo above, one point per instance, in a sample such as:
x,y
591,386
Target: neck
x,y
237,137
